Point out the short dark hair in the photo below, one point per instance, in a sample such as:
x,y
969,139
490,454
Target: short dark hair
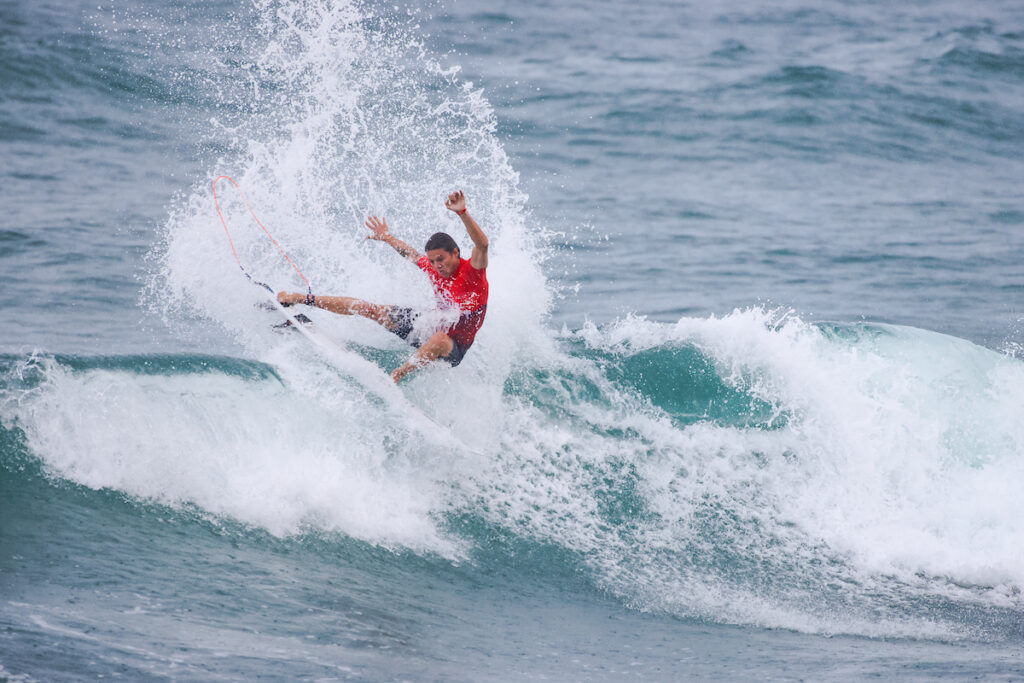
x,y
442,240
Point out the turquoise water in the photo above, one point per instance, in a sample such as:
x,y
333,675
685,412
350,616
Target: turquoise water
x,y
747,404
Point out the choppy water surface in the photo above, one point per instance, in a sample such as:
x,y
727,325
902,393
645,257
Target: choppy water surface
x,y
748,402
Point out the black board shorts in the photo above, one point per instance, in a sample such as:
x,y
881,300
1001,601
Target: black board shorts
x,y
402,321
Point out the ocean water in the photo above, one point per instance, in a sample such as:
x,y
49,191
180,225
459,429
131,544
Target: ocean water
x,y
748,403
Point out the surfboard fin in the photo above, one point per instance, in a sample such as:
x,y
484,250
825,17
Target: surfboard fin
x,y
301,317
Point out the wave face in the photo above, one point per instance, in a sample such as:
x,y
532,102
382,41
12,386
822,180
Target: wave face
x,y
749,469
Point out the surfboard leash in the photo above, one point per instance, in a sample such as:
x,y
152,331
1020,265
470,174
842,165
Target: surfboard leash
x,y
309,288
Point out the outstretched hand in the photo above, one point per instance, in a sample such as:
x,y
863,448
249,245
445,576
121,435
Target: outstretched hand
x,y
456,201
379,228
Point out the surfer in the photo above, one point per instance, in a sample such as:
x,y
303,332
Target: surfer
x,y
458,282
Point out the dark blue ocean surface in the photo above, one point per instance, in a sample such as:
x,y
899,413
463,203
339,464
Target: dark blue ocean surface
x,y
748,403
848,162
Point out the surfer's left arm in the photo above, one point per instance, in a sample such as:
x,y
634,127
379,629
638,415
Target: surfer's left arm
x,y
457,202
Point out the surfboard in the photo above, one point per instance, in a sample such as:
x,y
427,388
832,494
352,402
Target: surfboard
x,y
372,377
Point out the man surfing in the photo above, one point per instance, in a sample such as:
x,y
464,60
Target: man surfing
x,y
457,282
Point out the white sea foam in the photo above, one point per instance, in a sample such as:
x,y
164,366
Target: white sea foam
x,y
895,454
254,451
902,454
904,483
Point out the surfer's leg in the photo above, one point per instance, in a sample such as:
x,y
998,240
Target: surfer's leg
x,y
437,346
347,305
395,318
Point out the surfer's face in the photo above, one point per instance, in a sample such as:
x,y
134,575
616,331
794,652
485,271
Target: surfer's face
x,y
444,262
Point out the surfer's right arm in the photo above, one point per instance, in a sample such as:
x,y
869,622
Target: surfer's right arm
x,y
379,229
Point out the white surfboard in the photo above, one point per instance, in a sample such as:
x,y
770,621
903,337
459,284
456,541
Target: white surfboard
x,y
373,379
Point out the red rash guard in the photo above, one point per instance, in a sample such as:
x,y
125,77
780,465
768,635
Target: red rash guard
x,y
467,289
